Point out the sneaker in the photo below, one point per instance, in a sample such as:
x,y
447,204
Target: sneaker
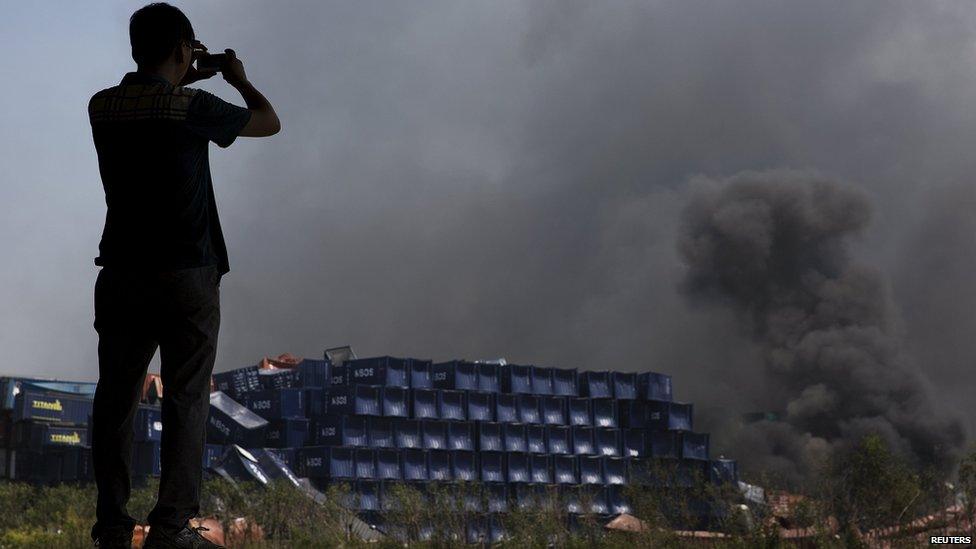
x,y
115,538
188,537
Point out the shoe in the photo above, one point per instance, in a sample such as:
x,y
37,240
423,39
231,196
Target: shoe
x,y
188,537
115,538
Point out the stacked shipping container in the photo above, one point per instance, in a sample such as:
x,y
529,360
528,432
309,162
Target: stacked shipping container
x,y
513,429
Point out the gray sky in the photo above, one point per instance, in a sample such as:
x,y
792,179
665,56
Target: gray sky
x,y
484,179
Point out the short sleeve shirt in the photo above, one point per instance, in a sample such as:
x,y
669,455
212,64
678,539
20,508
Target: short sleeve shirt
x,y
152,140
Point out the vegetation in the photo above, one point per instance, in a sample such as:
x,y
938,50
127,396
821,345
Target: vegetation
x,y
857,495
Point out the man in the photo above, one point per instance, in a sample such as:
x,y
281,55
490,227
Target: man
x,y
162,255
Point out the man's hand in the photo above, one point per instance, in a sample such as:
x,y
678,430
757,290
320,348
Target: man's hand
x,y
234,71
192,74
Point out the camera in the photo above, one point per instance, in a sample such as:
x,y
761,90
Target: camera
x,y
212,62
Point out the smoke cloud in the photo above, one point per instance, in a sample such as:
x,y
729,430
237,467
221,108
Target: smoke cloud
x,y
773,247
484,179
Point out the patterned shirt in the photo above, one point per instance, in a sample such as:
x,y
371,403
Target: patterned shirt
x,y
152,142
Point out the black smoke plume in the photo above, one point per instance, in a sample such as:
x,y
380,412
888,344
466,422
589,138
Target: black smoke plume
x,y
774,247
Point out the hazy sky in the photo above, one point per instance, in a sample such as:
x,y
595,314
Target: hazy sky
x,y
500,178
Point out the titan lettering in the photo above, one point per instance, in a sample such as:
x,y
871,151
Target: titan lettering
x,y
73,438
44,405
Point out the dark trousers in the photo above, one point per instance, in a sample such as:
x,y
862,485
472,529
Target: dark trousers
x,y
136,312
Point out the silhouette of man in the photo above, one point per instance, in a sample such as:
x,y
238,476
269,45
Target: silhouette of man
x,y
162,256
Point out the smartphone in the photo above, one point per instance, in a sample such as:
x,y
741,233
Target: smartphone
x,y
212,62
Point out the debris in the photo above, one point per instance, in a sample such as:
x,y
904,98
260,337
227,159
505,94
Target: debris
x,y
626,523
286,360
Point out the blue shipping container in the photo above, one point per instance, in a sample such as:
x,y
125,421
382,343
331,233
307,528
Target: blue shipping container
x,y
617,500
37,435
634,443
723,471
590,468
607,441
388,465
595,384
276,403
287,432
336,430
460,435
353,399
517,467
624,385
515,378
414,464
288,455
238,381
579,411
464,465
541,468
11,386
424,404
229,422
481,406
325,462
369,495
212,454
664,444
54,407
564,382
241,464
559,439
496,493
506,409
535,439
541,380
583,440
654,386
148,423
492,466
407,433
384,370
614,470
439,465
528,409
314,373
565,470
381,432
451,404
488,378
694,445
420,374
597,498
513,435
315,400
554,410
48,467
456,374
365,463
434,434
490,437
279,378
662,415
396,401
604,412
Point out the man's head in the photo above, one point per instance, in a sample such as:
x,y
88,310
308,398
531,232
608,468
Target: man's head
x,y
161,35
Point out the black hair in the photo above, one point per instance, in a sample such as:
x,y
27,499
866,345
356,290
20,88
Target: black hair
x,y
155,30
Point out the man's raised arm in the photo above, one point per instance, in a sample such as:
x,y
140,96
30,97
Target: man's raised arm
x,y
264,121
